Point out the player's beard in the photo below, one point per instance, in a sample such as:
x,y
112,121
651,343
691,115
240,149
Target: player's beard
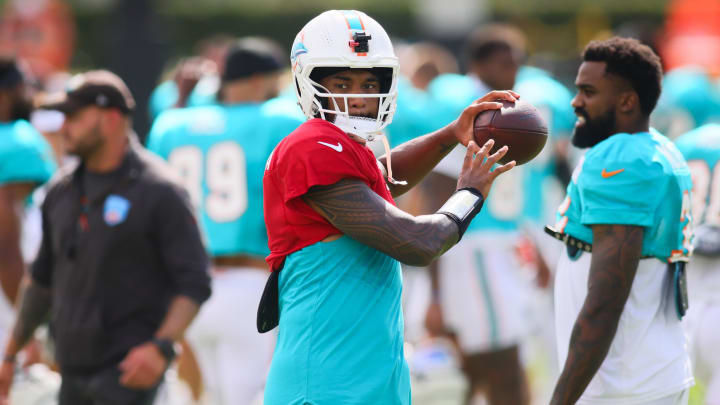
x,y
594,130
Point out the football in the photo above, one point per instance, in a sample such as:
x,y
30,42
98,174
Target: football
x,y
517,125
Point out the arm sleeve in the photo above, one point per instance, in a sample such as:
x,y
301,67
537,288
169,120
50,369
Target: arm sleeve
x,y
629,197
41,269
308,163
180,244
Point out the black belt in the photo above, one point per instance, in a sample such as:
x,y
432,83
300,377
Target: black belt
x,y
573,244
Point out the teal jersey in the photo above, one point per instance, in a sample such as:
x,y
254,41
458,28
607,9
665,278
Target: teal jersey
x,y
701,149
220,153
341,329
165,95
688,100
412,114
640,179
25,156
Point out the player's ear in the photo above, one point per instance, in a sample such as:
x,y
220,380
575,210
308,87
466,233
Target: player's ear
x,y
629,101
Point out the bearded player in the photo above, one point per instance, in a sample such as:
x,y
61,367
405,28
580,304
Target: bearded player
x,y
619,291
335,234
701,148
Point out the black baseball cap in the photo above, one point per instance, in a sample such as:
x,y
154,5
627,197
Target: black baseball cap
x,y
100,88
252,55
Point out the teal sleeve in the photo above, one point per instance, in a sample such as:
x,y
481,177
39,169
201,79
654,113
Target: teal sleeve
x,y
284,116
621,192
156,139
162,98
27,163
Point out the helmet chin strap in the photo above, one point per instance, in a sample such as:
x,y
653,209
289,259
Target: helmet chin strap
x,y
390,179
365,128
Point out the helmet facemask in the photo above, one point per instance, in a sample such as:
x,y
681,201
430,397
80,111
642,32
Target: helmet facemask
x,y
334,107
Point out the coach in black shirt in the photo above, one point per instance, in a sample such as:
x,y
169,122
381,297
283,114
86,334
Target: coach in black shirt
x,y
122,269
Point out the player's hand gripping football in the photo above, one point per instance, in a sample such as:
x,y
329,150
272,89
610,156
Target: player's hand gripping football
x,y
477,167
463,125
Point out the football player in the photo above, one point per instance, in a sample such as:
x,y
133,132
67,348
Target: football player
x,y
335,234
701,148
626,224
220,152
25,163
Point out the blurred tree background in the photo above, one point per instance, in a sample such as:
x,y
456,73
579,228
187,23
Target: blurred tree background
x,y
141,39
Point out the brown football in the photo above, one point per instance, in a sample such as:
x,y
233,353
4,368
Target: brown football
x,y
517,125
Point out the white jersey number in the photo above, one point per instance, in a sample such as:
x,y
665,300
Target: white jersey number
x,y
225,176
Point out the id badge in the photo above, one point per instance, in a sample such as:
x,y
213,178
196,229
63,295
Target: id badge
x,y
680,284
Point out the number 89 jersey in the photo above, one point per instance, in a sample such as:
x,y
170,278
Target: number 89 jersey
x,y
632,179
219,153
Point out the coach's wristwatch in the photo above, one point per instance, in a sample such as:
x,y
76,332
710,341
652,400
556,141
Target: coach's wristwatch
x,y
166,347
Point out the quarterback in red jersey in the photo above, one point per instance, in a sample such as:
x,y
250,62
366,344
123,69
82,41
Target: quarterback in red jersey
x,y
333,227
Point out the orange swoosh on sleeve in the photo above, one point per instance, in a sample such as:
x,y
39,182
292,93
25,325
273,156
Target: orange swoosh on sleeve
x,y
607,174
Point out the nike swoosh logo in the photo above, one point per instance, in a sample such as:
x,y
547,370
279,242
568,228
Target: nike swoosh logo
x,y
607,174
337,148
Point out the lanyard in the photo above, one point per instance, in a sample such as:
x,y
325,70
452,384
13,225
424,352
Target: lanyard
x,y
82,222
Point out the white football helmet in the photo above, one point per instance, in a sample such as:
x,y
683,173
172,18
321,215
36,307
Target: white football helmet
x,y
350,39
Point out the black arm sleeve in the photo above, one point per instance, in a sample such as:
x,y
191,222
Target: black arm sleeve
x,y
41,269
181,247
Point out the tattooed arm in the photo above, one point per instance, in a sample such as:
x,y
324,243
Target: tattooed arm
x,y
615,257
414,159
356,210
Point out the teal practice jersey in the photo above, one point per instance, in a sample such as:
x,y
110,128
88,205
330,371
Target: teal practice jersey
x,y
220,152
341,328
633,179
415,114
25,156
701,148
688,100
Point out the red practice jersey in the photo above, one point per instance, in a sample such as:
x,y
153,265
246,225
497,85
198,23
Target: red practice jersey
x,y
316,153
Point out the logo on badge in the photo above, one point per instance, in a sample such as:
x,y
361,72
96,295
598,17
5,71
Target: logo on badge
x,y
116,209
